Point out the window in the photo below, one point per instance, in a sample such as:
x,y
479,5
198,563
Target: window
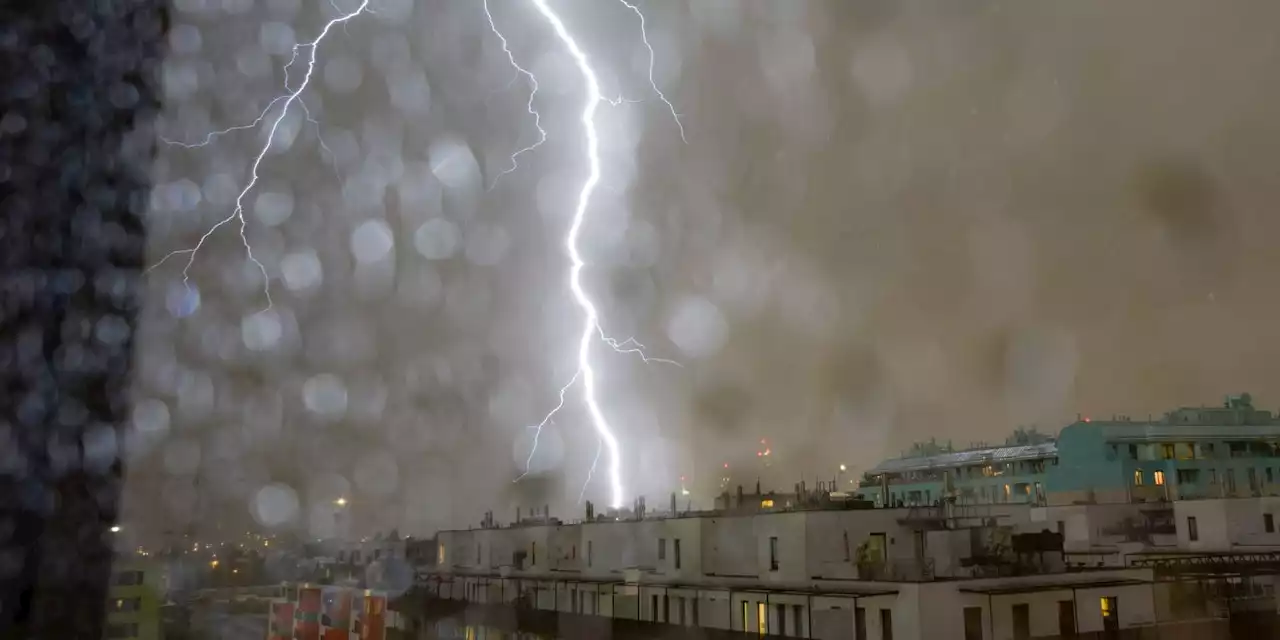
x,y
1166,451
533,553
797,614
676,542
780,612
1193,532
653,608
128,604
1133,452
846,546
1270,477
860,623
886,624
1007,492
1188,476
1268,523
477,554
1110,615
746,615
662,548
1137,477
127,578
122,630
440,553
1066,618
973,623
1206,450
1159,476
766,503
589,554
1213,476
762,618
773,553
1021,621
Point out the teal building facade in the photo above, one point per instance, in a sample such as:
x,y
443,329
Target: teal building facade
x,y
1231,450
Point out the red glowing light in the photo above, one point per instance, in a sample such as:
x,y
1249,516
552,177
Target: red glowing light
x,y
726,465
1088,419
762,441
759,453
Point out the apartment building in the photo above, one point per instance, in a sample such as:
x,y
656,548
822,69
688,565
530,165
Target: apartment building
x,y
133,600
1226,451
1109,526
822,573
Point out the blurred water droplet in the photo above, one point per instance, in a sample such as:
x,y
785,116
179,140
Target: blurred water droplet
x,y
274,505
261,331
371,241
436,239
697,327
325,394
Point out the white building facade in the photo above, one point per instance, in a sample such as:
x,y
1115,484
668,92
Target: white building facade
x,y
873,574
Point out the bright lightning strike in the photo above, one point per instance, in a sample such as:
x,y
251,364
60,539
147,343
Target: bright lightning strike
x,y
591,328
533,94
291,96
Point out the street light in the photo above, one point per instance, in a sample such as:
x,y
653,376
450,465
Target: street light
x,y
341,502
115,529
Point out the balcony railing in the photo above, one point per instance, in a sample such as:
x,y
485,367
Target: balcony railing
x,y
918,570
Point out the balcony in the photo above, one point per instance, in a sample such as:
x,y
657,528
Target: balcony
x,y
917,570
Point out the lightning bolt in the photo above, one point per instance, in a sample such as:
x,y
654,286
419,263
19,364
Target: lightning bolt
x,y
644,37
533,94
591,328
290,96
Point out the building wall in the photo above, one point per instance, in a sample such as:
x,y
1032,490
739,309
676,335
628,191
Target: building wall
x,y
134,606
1232,524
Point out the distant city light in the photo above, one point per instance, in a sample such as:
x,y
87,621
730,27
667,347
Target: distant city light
x,y
115,529
843,468
341,502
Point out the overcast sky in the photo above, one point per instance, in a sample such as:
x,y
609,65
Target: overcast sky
x,y
891,221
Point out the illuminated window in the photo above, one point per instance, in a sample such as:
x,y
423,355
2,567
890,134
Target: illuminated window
x,y
1107,605
746,615
762,615
1137,478
440,553
1167,451
766,504
1159,475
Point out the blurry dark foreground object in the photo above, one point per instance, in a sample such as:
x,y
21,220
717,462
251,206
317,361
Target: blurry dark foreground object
x,y
79,94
